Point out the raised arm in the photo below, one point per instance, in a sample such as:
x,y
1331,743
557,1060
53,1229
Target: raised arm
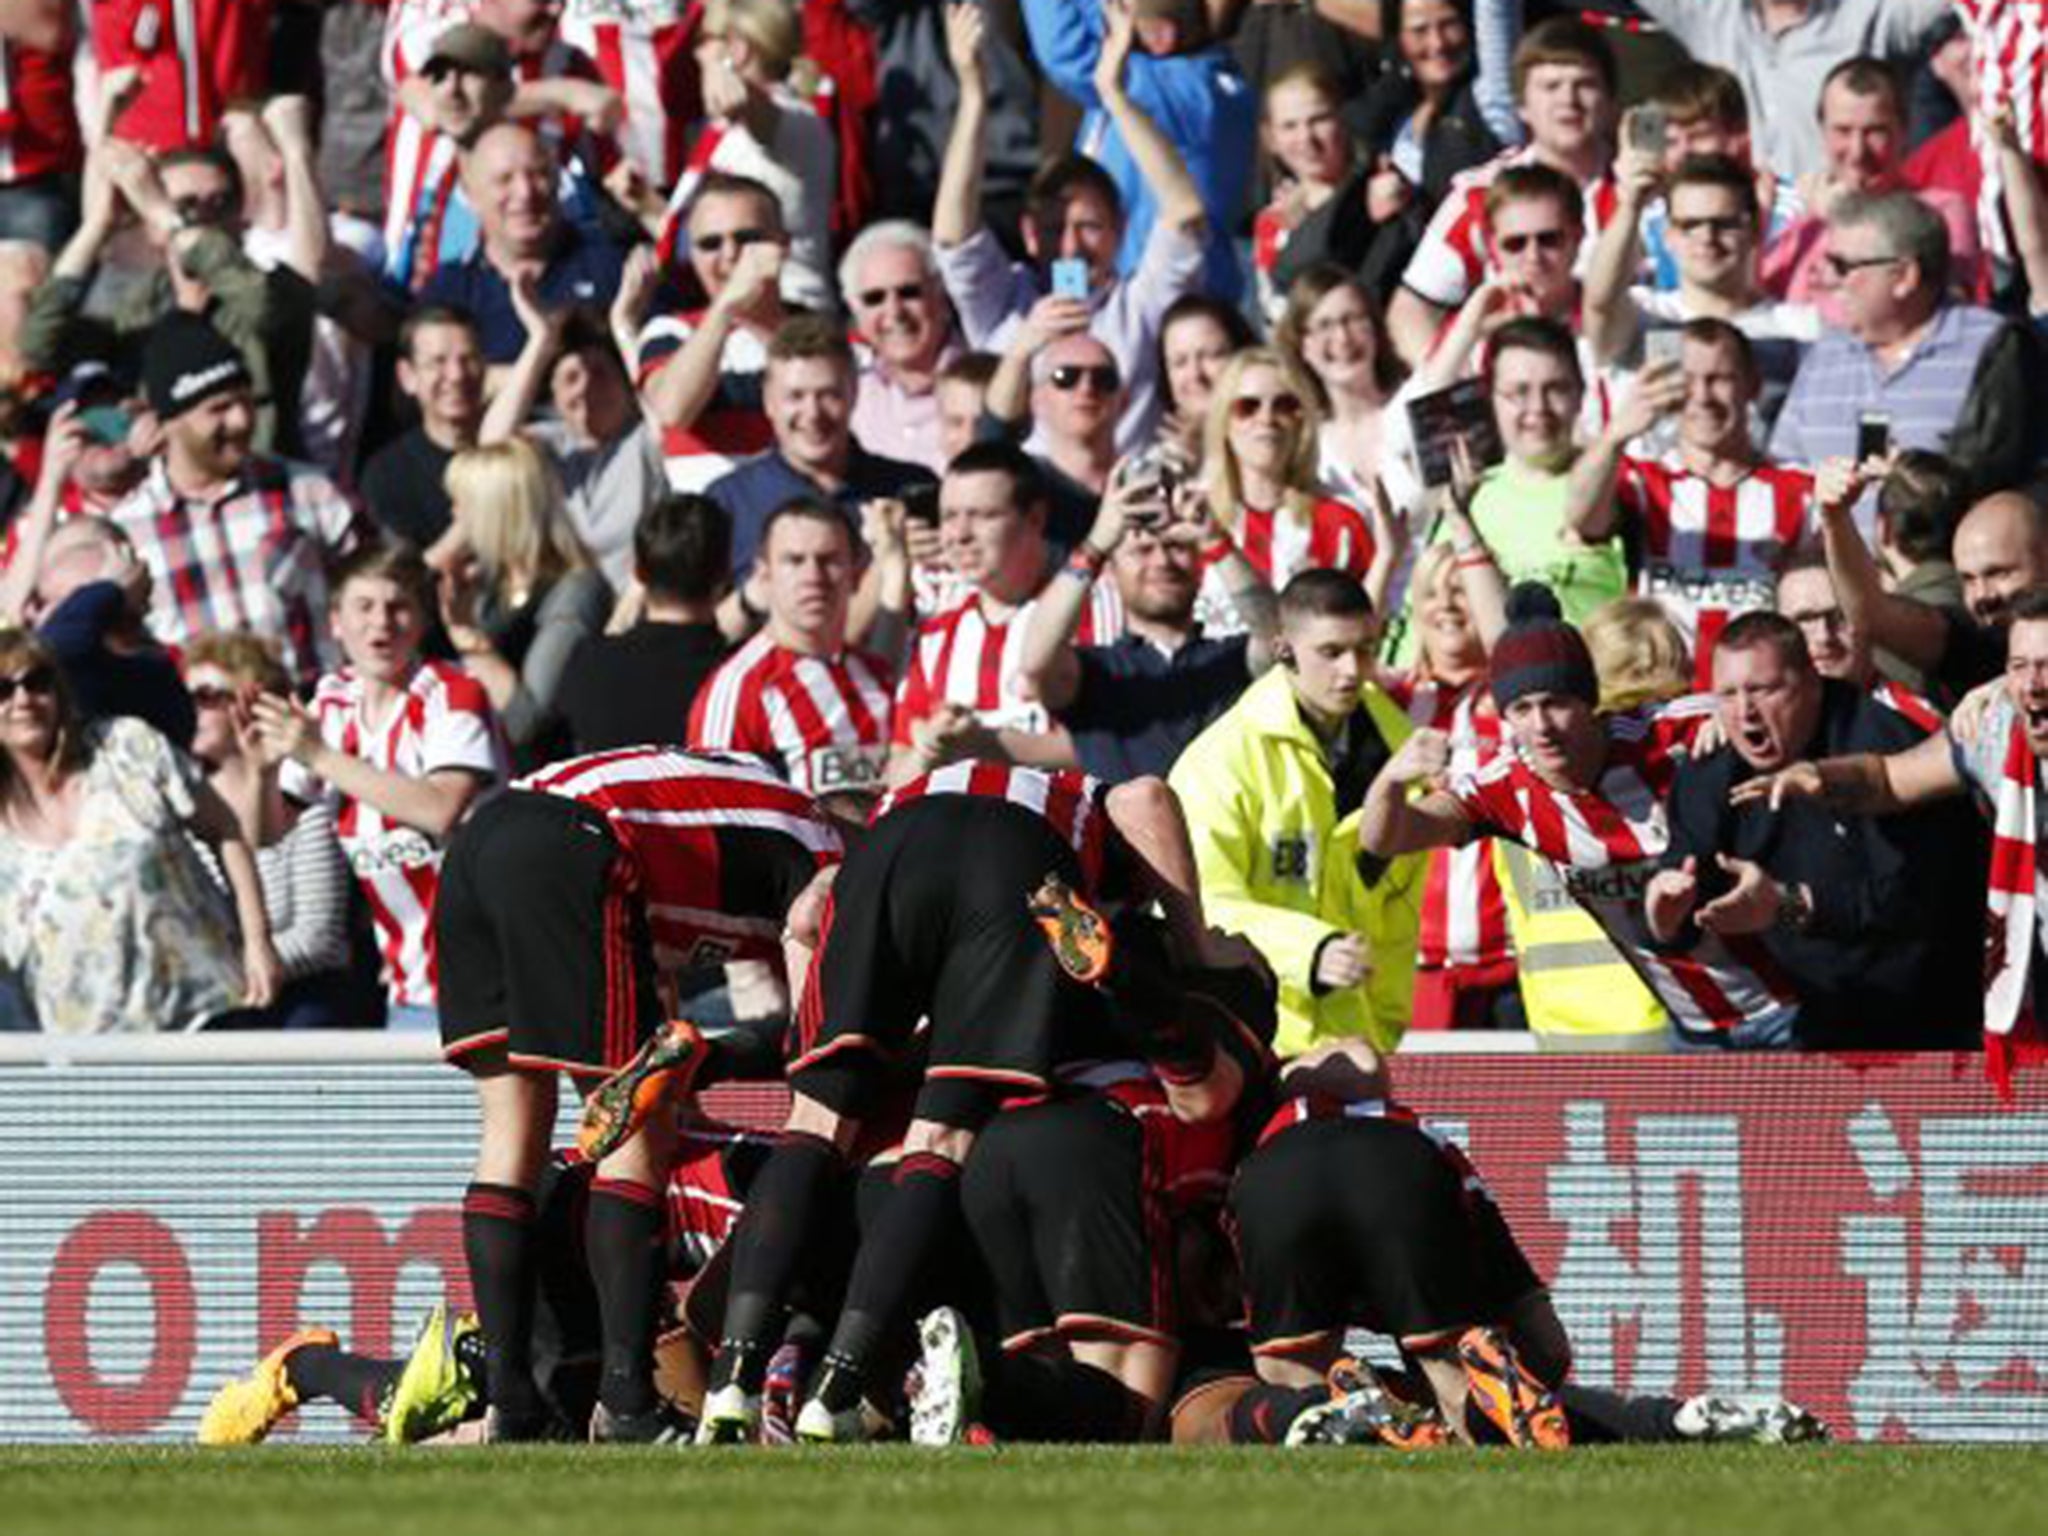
x,y
1393,823
680,389
1914,632
956,211
1868,784
2026,203
289,120
1611,316
1180,202
526,380
1591,509
1479,574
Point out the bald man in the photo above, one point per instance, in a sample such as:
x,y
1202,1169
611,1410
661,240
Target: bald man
x,y
2001,550
511,179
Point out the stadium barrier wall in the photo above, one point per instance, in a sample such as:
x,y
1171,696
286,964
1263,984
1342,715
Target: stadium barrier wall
x,y
1867,1235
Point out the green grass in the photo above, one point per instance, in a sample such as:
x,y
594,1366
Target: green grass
x,y
1639,1491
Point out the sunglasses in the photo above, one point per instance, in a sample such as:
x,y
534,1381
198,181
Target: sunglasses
x,y
902,293
1073,375
1542,239
739,239
1285,407
206,209
39,680
211,696
1842,266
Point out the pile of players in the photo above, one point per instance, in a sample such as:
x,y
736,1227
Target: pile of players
x,y
1033,1104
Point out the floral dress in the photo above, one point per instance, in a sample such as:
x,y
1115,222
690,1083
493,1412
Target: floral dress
x,y
120,929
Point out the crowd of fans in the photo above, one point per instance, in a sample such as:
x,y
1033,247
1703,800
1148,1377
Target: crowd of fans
x,y
400,397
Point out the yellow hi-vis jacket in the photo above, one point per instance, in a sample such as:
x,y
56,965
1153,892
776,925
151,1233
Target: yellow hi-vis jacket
x,y
1576,987
1280,868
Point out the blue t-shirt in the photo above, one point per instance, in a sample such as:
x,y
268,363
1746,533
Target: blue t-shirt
x,y
584,269
764,484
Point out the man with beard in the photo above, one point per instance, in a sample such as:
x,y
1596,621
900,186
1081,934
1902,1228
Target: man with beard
x,y
1870,919
2001,550
1132,703
2001,764
233,539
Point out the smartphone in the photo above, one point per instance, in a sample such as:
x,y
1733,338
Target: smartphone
x,y
107,425
1070,278
921,504
1663,345
1649,129
1873,436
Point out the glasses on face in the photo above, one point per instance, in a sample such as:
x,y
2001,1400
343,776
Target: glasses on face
x,y
211,696
1099,376
711,244
1333,325
1283,407
38,680
1842,266
1722,226
902,293
1542,239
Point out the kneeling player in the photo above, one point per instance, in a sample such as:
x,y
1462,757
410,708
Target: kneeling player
x,y
1076,1206
940,914
555,899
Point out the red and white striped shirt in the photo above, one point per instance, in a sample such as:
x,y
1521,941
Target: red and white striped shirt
x,y
642,49
666,808
703,1204
38,124
963,657
731,427
823,720
1902,700
442,719
195,57
1454,253
1332,537
2010,47
1605,844
1068,799
1464,916
1712,552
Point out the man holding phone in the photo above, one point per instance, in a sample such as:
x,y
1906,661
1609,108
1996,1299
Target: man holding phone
x,y
1134,702
1073,227
1714,222
1951,378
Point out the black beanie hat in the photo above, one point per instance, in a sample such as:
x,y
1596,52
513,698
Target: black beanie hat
x,y
1539,652
186,361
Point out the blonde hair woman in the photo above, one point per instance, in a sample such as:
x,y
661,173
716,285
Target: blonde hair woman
x,y
1259,460
529,595
1638,653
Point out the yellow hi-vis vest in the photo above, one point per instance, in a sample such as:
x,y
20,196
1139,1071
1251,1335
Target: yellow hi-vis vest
x,y
1576,987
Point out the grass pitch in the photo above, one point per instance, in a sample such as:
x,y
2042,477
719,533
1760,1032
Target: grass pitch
x,y
1021,1491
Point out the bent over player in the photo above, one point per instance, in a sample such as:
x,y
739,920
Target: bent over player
x,y
557,900
942,914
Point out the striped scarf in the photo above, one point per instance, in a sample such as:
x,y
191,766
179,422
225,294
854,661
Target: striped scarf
x,y
2010,1032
